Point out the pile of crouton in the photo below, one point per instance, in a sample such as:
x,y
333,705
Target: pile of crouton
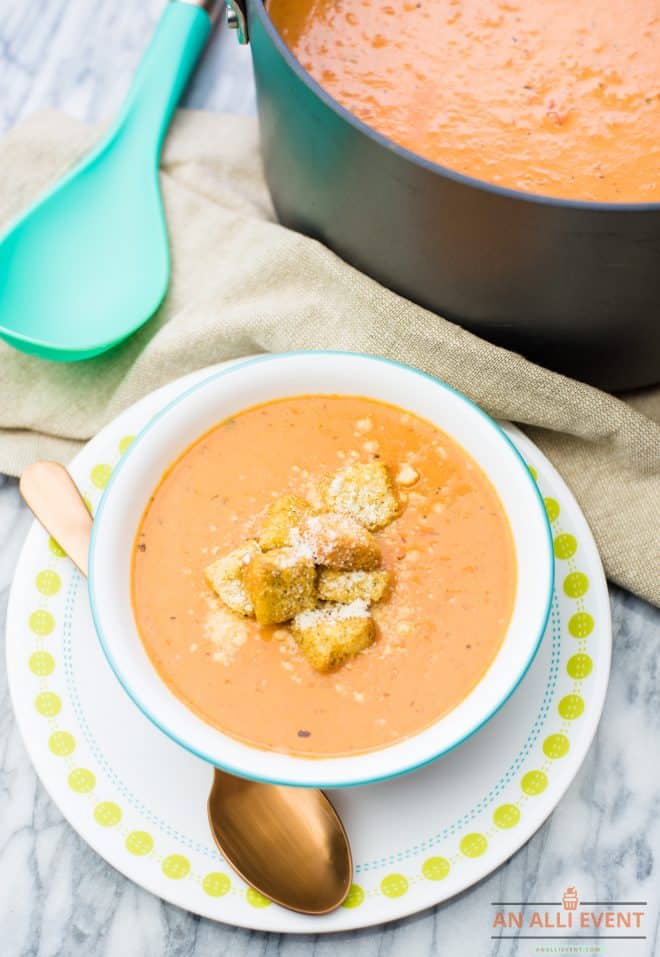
x,y
317,569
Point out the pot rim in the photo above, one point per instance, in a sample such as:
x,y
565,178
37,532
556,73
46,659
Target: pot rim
x,y
463,179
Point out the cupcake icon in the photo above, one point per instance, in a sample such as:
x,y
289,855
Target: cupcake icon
x,y
570,899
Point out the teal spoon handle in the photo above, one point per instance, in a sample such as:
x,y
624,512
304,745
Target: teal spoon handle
x,y
161,78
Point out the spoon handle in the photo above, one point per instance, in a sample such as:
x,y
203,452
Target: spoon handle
x,y
52,496
180,36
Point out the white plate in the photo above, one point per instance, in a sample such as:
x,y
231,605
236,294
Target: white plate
x,y
139,800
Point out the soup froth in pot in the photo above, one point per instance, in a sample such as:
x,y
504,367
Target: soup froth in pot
x,y
556,97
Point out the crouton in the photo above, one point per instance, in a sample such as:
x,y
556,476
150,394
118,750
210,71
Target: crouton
x,y
346,587
280,584
331,634
226,575
365,492
282,516
337,541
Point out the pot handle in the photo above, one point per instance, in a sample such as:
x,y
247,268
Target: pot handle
x,y
237,19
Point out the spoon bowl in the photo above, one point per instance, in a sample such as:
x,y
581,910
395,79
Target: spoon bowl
x,y
84,270
88,264
288,842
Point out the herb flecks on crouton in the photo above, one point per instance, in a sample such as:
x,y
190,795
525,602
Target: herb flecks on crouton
x,y
285,514
331,634
226,578
364,491
347,587
280,584
338,541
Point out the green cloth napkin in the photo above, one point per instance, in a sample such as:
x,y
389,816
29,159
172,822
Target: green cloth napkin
x,y
243,284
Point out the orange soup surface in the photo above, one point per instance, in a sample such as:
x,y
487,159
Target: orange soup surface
x,y
450,554
559,97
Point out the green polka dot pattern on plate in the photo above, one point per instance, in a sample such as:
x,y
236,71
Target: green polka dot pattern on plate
x,y
534,782
435,868
473,845
41,663
176,867
394,885
124,443
576,584
62,743
579,666
533,472
571,707
48,582
581,624
565,546
48,704
506,815
216,884
552,508
82,781
139,843
107,813
556,746
56,548
354,897
255,899
41,622
100,475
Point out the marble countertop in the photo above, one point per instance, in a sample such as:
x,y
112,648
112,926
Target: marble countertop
x,y
57,897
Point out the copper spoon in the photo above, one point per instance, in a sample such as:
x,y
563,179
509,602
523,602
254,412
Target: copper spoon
x,y
288,843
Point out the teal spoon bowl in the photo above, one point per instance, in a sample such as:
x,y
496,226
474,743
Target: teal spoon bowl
x,y
89,263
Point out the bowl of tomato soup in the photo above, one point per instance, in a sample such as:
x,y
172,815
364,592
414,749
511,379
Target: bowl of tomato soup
x,y
320,569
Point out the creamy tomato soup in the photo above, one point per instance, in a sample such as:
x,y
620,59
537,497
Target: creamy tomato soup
x,y
560,97
449,553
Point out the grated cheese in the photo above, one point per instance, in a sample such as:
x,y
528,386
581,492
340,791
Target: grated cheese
x,y
225,632
331,612
406,475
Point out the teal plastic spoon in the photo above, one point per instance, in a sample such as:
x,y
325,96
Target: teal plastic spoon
x,y
89,263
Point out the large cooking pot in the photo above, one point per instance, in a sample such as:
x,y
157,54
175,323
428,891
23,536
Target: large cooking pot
x,y
573,285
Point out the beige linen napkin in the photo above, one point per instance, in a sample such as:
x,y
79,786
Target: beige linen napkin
x,y
243,284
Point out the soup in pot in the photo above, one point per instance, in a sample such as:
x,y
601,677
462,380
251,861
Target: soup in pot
x,y
558,97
